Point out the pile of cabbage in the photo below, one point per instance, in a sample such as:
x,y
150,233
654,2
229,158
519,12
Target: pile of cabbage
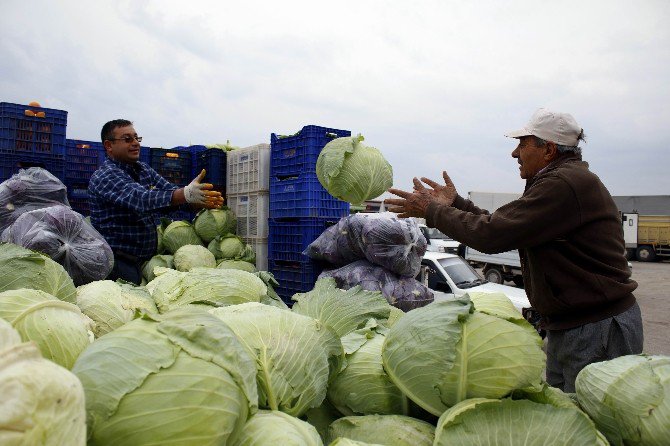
x,y
210,356
209,241
35,213
379,252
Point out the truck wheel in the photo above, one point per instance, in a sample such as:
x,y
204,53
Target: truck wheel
x,y
646,253
518,281
493,274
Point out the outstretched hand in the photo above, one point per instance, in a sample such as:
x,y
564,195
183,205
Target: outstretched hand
x,y
415,204
443,194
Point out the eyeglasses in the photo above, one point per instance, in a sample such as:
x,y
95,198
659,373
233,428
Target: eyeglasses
x,y
127,139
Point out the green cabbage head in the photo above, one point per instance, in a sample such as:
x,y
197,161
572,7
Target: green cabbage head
x,y
23,268
628,398
212,286
181,378
212,222
59,328
190,256
228,246
111,304
162,260
396,430
296,356
518,422
277,428
460,353
353,172
178,234
42,403
237,264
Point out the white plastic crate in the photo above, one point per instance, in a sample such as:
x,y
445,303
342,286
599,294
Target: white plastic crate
x,y
252,211
248,170
260,246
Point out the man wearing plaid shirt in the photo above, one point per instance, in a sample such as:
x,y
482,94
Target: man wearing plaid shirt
x,y
125,195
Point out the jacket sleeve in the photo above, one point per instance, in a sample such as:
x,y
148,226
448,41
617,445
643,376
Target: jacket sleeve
x,y
123,191
548,210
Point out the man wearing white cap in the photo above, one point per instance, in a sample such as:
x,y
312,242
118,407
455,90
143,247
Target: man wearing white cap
x,y
569,236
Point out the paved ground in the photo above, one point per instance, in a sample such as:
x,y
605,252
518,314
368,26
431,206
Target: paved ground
x,y
653,295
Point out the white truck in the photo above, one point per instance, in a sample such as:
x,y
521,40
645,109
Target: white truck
x,y
497,268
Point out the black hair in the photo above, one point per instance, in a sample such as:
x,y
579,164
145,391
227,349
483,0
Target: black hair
x,y
107,132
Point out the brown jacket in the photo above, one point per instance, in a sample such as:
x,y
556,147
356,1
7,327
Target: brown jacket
x,y
569,236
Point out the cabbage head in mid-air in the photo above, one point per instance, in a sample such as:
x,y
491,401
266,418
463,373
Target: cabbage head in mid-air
x,y
628,398
212,222
112,304
23,268
274,428
181,378
179,233
190,256
461,353
353,172
42,403
518,422
59,328
296,355
396,430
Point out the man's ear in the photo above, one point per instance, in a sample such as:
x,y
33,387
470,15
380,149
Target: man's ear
x,y
107,145
550,151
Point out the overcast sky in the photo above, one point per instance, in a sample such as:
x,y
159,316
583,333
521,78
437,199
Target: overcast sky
x,y
433,84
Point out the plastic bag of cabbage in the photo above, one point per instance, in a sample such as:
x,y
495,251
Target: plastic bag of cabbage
x,y
405,293
383,239
66,237
353,172
42,403
30,189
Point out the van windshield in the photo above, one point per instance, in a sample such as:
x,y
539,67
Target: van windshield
x,y
463,275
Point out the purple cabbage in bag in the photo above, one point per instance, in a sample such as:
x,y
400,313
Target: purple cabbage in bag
x,y
383,239
405,293
66,237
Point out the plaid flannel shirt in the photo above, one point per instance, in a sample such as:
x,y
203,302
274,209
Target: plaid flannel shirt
x,y
125,201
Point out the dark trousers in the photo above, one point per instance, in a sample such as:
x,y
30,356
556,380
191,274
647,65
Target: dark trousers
x,y
127,267
569,351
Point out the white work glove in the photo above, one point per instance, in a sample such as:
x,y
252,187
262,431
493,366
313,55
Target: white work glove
x,y
201,194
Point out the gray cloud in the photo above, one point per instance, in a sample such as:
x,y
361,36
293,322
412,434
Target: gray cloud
x,y
434,85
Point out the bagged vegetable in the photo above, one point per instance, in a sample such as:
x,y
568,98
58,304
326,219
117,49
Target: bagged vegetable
x,y
66,237
405,293
383,239
30,189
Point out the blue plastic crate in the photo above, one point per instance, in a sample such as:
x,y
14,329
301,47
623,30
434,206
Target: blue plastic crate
x,y
214,161
32,134
287,239
80,204
303,196
294,277
298,153
12,161
82,159
173,164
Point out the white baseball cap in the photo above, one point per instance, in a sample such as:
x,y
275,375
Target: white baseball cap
x,y
559,128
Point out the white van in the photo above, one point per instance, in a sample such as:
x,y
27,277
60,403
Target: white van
x,y
437,241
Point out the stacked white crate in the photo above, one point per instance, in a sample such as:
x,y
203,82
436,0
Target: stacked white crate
x,y
248,195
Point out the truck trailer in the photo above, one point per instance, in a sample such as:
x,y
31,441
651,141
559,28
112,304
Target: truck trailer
x,y
647,237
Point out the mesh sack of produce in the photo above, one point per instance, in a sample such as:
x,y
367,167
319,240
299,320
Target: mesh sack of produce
x,y
383,239
66,237
402,292
30,189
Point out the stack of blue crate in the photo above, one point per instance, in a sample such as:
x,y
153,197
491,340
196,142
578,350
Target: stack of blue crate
x,y
300,208
176,166
31,136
